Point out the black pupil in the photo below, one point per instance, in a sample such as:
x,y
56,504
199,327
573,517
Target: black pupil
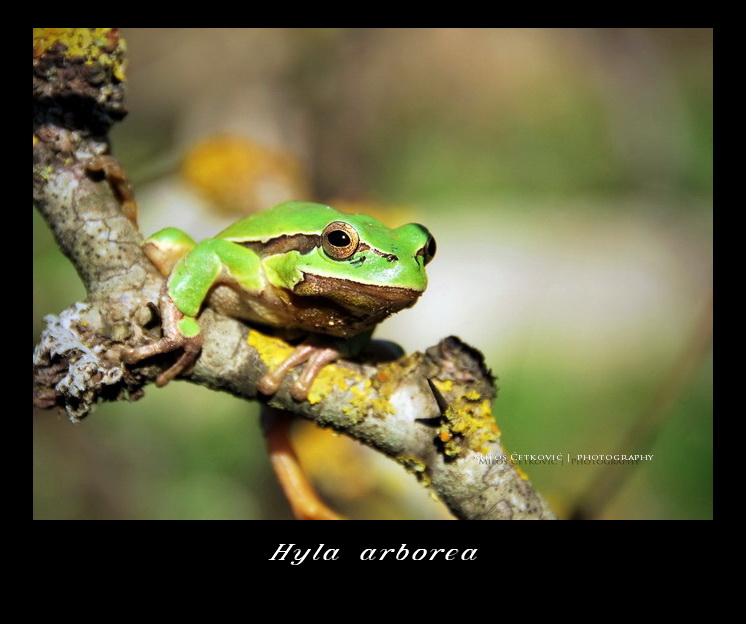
x,y
339,238
431,247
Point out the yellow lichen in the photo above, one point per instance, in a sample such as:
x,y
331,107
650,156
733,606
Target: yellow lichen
x,y
417,467
93,45
445,385
331,378
271,350
467,423
45,172
368,397
381,383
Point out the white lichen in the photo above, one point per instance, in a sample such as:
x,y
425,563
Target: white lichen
x,y
87,373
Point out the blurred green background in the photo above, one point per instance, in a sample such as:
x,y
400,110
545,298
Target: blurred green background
x,y
567,177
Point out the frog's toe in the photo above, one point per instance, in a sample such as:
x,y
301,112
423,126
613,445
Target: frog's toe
x,y
299,390
191,347
316,358
268,384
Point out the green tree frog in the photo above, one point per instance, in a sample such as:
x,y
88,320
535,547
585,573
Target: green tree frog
x,y
302,267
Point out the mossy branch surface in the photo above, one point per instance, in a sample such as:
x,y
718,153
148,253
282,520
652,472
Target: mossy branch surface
x,y
431,411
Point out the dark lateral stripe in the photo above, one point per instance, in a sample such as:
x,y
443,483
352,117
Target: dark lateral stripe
x,y
302,243
390,257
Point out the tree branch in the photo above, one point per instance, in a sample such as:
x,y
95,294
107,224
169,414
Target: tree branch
x,y
430,412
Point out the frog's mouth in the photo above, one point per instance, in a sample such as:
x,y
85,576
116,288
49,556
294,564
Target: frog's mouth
x,y
345,308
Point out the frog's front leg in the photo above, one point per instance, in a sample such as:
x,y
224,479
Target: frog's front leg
x,y
186,289
178,332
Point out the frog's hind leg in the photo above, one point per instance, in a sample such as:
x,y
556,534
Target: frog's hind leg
x,y
305,503
317,357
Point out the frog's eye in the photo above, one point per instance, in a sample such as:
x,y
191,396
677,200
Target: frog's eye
x,y
429,250
340,240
